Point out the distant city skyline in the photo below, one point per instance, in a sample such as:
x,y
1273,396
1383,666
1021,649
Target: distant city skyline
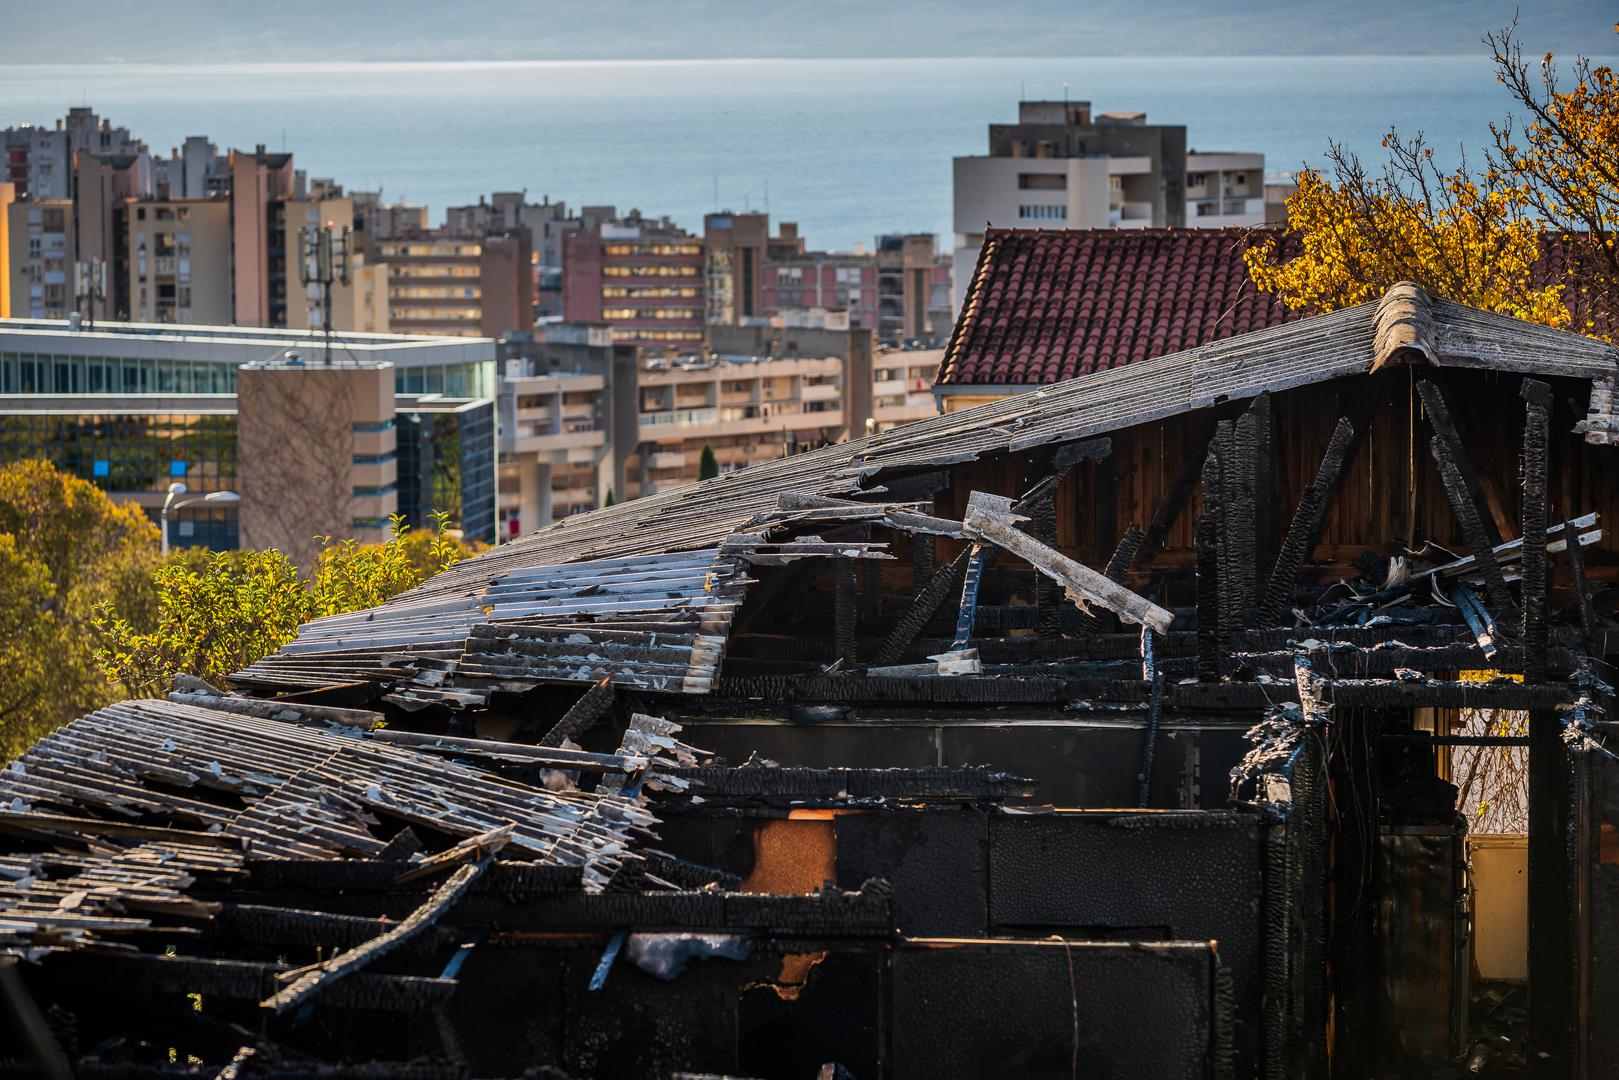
x,y
194,31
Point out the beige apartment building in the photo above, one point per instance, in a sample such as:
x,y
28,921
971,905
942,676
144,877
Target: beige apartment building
x,y
902,387
178,264
39,258
459,283
747,409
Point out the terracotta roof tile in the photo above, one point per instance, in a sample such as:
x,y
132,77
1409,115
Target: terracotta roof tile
x,y
1049,304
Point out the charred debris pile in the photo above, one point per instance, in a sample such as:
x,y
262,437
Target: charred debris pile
x,y
1074,734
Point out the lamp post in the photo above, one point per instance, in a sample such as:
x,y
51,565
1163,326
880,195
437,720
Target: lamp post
x,y
177,489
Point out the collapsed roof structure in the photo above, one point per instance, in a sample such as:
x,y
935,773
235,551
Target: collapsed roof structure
x,y
1094,731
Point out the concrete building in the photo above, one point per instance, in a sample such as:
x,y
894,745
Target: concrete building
x,y
375,221
644,277
39,160
1060,166
196,170
567,423
902,388
734,252
177,261
260,182
913,290
822,281
472,284
133,408
39,258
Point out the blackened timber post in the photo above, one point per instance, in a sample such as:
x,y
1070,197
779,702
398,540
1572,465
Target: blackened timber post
x,y
967,614
1304,533
1582,587
1537,398
1207,538
1264,478
1239,472
843,611
1047,597
1551,825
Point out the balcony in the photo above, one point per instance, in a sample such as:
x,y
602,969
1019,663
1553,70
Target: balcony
x,y
666,459
820,392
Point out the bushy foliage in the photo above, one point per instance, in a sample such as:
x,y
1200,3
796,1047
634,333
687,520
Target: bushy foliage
x,y
220,613
65,550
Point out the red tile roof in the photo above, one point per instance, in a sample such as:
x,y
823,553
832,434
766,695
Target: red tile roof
x,y
1049,304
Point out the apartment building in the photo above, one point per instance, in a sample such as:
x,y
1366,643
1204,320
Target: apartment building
x,y
459,283
734,252
39,160
392,423
39,258
644,277
822,281
177,261
375,221
913,290
1061,166
902,387
746,409
566,432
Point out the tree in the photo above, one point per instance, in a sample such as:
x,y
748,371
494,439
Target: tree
x,y
609,500
707,466
1478,237
65,549
222,613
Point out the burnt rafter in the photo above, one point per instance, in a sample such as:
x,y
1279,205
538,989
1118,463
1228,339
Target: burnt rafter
x,y
1462,487
1211,643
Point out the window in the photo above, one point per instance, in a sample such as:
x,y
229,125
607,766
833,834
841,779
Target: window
x,y
1042,212
1196,179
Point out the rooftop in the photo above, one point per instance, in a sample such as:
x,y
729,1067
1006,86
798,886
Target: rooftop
x,y
1047,305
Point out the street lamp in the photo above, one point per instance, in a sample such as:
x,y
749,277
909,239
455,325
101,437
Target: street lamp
x,y
177,489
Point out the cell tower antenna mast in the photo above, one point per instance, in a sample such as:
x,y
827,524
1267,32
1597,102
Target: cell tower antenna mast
x,y
325,262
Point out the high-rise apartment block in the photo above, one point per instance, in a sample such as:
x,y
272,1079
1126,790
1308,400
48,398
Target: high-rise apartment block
x,y
467,283
643,277
1061,166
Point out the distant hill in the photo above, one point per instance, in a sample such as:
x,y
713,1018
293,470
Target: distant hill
x,y
203,31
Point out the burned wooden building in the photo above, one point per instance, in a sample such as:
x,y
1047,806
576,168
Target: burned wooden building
x,y
1097,731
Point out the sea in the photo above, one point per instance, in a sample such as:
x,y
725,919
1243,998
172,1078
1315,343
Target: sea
x,y
848,149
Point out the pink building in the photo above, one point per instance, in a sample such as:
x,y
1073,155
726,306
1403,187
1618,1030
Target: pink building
x,y
644,279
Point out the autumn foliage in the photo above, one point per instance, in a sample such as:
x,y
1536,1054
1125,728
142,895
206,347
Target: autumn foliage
x,y
1475,236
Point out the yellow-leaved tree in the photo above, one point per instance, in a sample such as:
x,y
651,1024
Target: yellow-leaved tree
x,y
65,550
219,612
1524,236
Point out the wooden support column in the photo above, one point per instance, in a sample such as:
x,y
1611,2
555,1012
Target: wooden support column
x,y
922,553
1262,418
1308,520
1537,398
1552,1008
1210,648
871,592
843,611
1047,597
1239,473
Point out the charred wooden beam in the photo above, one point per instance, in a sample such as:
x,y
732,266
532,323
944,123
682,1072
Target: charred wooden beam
x,y
1537,398
1047,598
844,613
1211,646
922,554
1308,520
927,603
269,924
352,961
582,715
1118,566
1155,708
871,592
990,519
1262,419
1241,497
753,785
1472,523
1174,501
1582,589
1447,428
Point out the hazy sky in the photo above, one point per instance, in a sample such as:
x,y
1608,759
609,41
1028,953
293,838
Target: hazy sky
x,y
202,31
